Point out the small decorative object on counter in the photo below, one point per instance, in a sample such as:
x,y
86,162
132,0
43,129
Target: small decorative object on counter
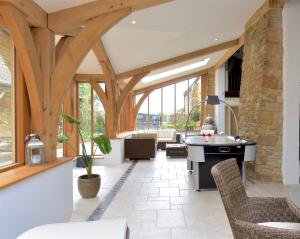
x,y
209,124
34,150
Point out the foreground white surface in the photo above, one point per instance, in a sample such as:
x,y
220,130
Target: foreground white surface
x,y
158,201
110,229
44,198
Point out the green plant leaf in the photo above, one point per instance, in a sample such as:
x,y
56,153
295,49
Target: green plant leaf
x,y
70,119
103,143
62,138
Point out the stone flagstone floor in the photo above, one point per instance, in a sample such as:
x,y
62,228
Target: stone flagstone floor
x,y
158,201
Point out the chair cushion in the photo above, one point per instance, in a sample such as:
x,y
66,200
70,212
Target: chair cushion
x,y
110,228
165,133
147,136
282,225
166,140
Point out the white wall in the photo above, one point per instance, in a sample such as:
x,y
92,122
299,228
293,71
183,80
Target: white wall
x,y
41,199
220,91
116,156
291,81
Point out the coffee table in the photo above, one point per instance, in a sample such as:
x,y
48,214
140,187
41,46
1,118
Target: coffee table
x,y
176,150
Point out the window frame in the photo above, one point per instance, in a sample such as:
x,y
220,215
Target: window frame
x,y
189,85
92,97
22,117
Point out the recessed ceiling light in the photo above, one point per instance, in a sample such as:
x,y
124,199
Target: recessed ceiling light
x,y
217,39
146,60
133,22
176,71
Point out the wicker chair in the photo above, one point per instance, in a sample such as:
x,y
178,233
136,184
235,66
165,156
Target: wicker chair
x,y
247,214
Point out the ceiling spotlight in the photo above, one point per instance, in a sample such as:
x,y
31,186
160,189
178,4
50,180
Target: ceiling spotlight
x,y
133,22
217,39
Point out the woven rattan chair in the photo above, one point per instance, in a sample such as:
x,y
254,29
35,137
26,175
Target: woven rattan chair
x,y
246,214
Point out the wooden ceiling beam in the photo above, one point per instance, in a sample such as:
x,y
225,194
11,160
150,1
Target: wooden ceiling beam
x,y
128,88
104,60
229,53
179,59
89,77
27,54
2,22
101,94
140,102
33,13
61,46
170,82
76,51
64,20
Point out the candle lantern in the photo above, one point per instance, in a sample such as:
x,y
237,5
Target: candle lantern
x,y
34,148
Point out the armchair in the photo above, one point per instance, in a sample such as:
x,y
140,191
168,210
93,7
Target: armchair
x,y
253,218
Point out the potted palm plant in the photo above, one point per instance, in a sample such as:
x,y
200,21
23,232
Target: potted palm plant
x,y
89,183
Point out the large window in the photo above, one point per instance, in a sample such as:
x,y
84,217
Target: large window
x,y
168,107
7,99
194,98
155,109
92,116
181,107
142,116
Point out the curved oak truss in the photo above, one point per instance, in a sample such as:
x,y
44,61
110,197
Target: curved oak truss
x,y
140,102
27,55
49,70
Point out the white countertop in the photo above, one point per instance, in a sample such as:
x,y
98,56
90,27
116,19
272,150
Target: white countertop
x,y
215,140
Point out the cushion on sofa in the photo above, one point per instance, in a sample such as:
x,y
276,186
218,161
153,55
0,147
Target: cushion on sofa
x,y
146,136
167,140
166,133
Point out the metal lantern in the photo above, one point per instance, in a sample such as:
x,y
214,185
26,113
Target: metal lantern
x,y
34,150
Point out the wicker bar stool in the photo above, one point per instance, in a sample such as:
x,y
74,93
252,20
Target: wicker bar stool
x,y
252,217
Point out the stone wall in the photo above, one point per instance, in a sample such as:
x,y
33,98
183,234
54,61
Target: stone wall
x,y
211,90
261,94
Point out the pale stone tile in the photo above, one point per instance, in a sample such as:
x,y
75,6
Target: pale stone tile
x,y
170,218
188,233
159,202
143,216
154,198
150,205
168,192
161,232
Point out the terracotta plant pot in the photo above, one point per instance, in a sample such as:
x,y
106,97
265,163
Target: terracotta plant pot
x,y
89,187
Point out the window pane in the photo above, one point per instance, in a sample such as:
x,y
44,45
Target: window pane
x,y
194,97
181,104
142,116
84,93
168,107
7,117
138,97
99,120
155,109
59,146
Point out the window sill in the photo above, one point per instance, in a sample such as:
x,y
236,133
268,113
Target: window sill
x,y
20,173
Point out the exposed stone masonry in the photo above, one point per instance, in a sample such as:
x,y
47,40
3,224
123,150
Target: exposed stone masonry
x,y
261,100
211,90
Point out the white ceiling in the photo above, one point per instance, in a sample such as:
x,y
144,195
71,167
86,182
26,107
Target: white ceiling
x,y
166,31
56,5
213,59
